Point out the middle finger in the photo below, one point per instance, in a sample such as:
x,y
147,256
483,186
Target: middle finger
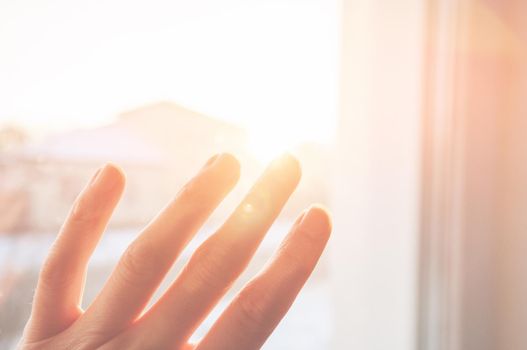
x,y
220,260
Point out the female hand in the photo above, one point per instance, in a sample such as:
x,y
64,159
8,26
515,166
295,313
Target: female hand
x,y
117,318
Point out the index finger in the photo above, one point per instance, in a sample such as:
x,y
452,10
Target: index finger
x,y
60,285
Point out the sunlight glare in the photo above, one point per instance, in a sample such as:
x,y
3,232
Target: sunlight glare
x,y
269,139
265,148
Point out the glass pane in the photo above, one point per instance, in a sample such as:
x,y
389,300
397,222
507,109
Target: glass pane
x,y
157,87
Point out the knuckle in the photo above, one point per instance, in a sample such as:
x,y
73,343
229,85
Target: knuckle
x,y
205,265
88,341
139,261
296,264
301,251
309,238
253,304
80,216
194,192
55,275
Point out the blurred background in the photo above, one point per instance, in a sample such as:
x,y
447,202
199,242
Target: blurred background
x,y
409,118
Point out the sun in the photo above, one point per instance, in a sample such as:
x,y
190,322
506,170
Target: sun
x,y
269,138
265,149
265,144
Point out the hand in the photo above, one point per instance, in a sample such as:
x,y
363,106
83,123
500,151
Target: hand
x,y
117,318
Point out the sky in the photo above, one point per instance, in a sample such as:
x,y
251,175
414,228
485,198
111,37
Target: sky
x,y
268,65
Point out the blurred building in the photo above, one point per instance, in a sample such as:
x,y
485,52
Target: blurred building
x,y
185,137
159,146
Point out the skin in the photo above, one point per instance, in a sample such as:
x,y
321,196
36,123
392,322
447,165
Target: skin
x,y
118,318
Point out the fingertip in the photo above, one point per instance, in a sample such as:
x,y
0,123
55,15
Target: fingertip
x,y
109,178
294,166
116,172
231,163
316,221
114,176
226,166
290,166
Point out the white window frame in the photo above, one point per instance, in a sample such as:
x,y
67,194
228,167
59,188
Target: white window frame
x,y
374,250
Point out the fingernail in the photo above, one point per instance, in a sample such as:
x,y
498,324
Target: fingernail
x,y
286,160
96,176
228,162
315,221
300,218
211,160
288,169
282,159
106,176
